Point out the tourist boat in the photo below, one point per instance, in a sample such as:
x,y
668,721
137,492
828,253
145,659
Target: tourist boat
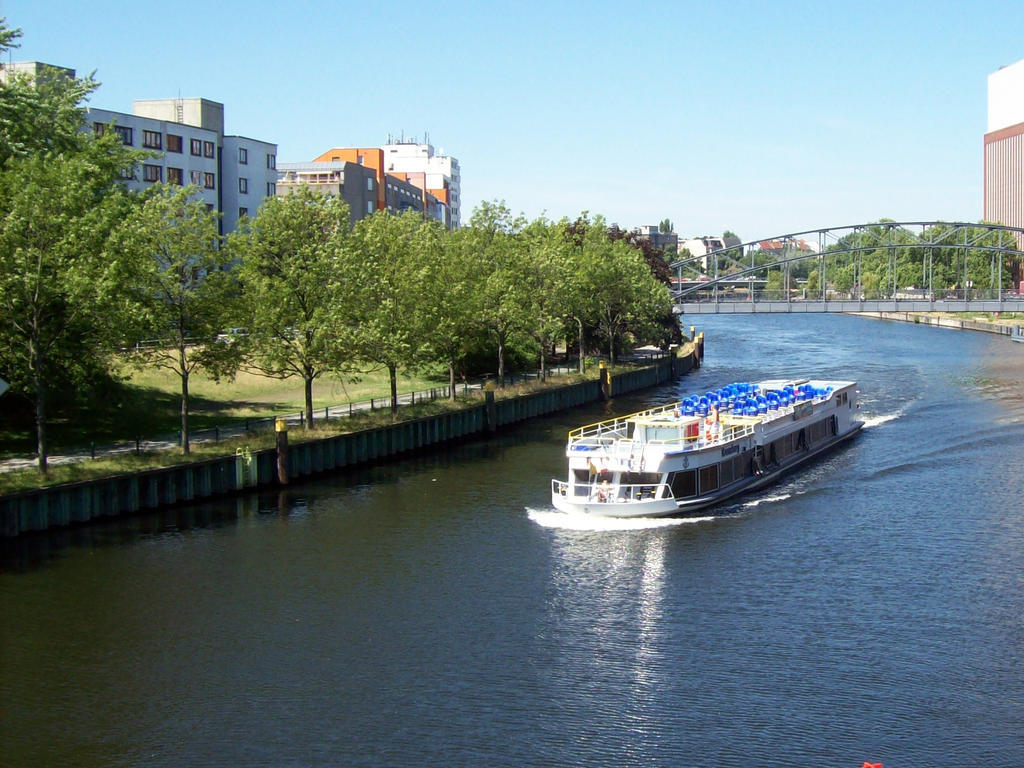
x,y
1018,333
680,458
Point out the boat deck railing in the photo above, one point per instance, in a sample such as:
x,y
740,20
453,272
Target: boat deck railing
x,y
618,426
612,494
731,428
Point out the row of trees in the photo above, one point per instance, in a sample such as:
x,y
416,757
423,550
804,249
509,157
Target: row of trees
x,y
934,259
317,295
89,270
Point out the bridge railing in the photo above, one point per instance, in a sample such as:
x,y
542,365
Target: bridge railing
x,y
765,295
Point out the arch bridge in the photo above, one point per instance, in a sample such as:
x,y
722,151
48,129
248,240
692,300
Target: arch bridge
x,y
919,266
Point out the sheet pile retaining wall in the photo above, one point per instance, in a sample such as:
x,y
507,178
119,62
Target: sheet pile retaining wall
x,y
72,503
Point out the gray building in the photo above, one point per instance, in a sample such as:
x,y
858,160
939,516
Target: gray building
x,y
401,196
355,184
666,242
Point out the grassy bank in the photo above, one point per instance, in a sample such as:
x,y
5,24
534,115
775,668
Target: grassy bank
x,y
147,404
87,469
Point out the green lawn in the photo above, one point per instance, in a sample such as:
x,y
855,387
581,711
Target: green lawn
x,y
148,405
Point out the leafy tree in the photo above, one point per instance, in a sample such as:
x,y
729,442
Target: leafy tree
x,y
813,283
298,287
665,226
182,287
545,255
503,300
60,292
625,293
41,114
393,253
449,317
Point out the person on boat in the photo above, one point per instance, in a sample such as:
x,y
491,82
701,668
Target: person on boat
x,y
712,425
603,492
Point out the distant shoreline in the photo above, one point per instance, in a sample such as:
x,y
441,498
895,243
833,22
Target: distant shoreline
x,y
1001,326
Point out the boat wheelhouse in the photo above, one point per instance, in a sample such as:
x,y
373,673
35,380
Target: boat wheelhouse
x,y
680,458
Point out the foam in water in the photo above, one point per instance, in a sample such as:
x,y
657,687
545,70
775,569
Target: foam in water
x,y
551,518
767,500
874,421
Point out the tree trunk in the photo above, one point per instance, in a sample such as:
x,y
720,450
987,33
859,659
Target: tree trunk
x,y
393,378
39,383
501,361
543,373
307,381
583,367
451,378
183,372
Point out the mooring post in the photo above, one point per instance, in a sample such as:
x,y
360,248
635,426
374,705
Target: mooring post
x,y
281,427
490,409
606,381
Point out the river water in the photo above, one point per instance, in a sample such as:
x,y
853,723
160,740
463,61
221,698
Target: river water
x,y
438,612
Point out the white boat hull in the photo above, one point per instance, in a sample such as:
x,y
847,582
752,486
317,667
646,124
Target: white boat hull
x,y
636,467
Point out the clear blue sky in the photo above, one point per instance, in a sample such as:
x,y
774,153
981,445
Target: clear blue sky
x,y
759,117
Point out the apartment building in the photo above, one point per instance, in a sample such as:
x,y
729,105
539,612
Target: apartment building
x,y
183,154
666,242
356,184
397,191
1004,148
186,136
441,173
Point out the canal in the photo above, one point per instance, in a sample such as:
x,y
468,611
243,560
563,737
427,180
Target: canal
x,y
437,612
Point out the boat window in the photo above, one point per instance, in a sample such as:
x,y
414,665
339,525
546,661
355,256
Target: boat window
x,y
709,478
743,465
783,447
683,483
581,476
640,478
726,472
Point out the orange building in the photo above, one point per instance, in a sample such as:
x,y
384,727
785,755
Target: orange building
x,y
372,157
436,192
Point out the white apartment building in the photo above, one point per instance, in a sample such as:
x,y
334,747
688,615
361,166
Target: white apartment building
x,y
442,177
184,154
234,173
1004,148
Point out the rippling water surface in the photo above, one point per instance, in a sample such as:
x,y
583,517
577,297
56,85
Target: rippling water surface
x,y
438,611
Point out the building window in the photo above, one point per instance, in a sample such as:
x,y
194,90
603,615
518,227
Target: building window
x,y
243,212
125,133
243,186
369,206
99,128
152,140
173,143
272,162
196,147
369,185
128,174
175,176
209,180
271,189
207,149
152,172
195,177
243,156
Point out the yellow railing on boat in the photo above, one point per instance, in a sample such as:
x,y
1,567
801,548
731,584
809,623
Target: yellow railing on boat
x,y
618,424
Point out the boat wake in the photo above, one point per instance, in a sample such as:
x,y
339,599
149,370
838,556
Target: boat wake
x,y
874,421
551,518
766,500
